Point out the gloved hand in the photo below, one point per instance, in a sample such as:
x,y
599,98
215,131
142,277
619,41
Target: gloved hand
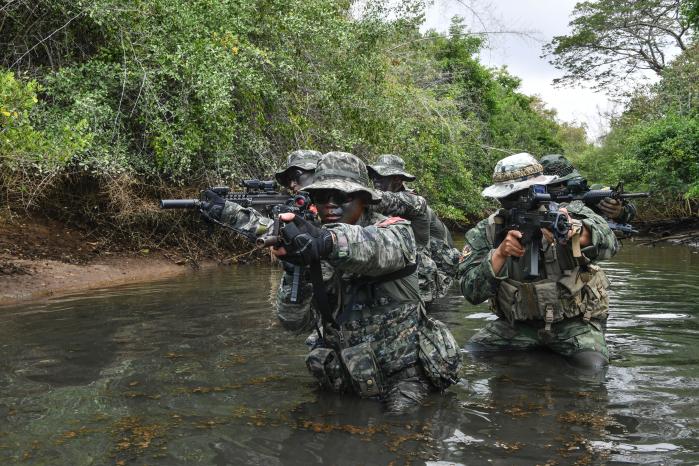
x,y
213,207
304,242
611,208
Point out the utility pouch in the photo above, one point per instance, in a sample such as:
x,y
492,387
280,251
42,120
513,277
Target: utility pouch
x,y
325,366
364,373
439,353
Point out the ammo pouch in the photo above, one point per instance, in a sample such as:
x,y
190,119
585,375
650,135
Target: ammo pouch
x,y
579,292
439,353
363,369
324,364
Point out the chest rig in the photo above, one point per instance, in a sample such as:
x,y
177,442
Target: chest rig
x,y
568,287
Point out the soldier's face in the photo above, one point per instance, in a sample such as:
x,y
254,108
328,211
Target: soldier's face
x,y
338,207
297,179
388,183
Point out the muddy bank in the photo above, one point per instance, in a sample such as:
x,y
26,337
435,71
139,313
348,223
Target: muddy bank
x,y
40,258
25,279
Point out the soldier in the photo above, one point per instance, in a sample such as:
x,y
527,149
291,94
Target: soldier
x,y
565,309
375,339
389,176
300,166
555,164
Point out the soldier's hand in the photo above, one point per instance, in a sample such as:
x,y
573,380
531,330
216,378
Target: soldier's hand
x,y
213,207
611,208
511,246
304,242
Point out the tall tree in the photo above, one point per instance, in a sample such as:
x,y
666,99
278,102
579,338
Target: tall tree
x,y
616,39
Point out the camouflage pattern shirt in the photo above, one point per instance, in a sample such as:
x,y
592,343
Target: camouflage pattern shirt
x,y
383,313
408,205
478,280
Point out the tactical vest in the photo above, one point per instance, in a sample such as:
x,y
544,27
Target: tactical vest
x,y
569,289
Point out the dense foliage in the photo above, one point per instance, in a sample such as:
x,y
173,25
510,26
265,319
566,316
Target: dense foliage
x,y
611,40
654,143
183,92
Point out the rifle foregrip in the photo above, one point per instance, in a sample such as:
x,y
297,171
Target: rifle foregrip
x,y
179,203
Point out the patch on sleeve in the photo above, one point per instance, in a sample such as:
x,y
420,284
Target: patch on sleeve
x,y
390,221
465,252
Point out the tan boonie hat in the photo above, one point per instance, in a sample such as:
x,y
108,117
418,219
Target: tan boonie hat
x,y
515,173
304,159
390,165
344,172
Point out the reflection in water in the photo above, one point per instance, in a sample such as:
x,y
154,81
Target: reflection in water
x,y
196,371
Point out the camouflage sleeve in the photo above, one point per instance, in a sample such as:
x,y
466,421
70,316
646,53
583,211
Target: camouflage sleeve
x,y
604,243
374,250
248,222
477,278
402,204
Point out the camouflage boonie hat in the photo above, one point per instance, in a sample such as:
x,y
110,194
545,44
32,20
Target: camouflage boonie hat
x,y
390,165
556,164
515,173
344,172
303,159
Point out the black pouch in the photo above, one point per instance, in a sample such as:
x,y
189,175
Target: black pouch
x,y
363,370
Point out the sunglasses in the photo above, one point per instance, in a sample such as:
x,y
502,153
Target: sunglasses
x,y
324,196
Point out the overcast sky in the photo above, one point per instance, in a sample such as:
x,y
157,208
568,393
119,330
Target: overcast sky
x,y
521,55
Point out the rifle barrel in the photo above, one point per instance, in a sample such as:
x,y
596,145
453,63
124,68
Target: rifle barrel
x,y
179,203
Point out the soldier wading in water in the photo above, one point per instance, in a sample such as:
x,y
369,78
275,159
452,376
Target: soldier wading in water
x,y
375,339
565,308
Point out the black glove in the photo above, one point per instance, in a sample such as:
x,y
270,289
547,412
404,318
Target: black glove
x,y
212,208
304,242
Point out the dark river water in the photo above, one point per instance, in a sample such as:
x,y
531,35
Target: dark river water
x,y
195,370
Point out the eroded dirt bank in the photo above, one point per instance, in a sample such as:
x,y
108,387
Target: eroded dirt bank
x,y
44,258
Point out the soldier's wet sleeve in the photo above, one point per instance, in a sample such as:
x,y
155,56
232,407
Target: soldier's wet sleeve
x,y
248,222
603,241
299,316
476,276
374,250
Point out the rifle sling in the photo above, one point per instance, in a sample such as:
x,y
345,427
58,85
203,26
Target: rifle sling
x,y
320,295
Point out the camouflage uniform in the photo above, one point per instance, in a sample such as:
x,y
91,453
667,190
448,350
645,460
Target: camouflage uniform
x,y
408,205
444,254
565,309
383,344
304,159
555,164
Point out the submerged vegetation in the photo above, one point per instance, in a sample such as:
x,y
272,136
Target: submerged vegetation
x,y
105,105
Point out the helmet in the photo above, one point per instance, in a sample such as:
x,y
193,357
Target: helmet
x,y
556,164
344,172
515,173
390,165
304,159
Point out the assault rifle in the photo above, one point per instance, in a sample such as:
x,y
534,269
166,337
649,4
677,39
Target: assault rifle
x,y
261,196
577,190
534,210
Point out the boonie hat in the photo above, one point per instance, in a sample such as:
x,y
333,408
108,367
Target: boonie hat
x,y
515,173
390,165
304,159
342,171
556,164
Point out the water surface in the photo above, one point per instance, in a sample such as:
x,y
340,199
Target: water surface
x,y
195,370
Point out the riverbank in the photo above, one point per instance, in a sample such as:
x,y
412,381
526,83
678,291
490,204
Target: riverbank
x,y
41,258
